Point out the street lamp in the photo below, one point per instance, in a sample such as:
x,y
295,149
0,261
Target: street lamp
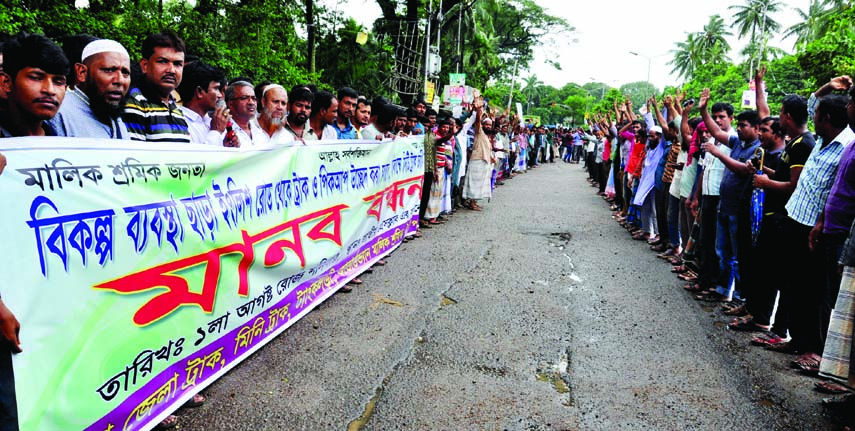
x,y
647,92
603,87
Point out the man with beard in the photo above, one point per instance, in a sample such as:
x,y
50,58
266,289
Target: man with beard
x,y
420,107
299,106
201,90
324,110
35,83
271,118
400,128
480,166
346,107
362,116
240,97
93,109
150,112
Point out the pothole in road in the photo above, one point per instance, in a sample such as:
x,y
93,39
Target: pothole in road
x,y
562,236
558,376
493,371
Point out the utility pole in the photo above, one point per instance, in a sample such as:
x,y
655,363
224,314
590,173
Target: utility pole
x,y
459,26
427,45
513,81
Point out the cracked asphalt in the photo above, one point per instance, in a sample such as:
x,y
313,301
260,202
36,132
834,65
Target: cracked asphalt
x,y
538,313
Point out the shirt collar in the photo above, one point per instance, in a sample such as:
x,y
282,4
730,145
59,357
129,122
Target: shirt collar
x,y
845,137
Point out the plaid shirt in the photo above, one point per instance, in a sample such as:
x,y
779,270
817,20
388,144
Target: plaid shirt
x,y
816,179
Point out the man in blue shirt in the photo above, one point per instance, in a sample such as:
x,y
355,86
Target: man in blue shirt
x,y
347,98
420,106
733,232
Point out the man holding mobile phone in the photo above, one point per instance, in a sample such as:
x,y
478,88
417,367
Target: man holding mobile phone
x,y
204,109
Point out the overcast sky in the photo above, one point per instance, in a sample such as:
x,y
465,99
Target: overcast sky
x,y
614,28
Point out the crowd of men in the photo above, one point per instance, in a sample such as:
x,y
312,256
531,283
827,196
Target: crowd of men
x,y
764,233
756,216
90,88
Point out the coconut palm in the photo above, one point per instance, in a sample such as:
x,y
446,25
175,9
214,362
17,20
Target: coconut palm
x,y
754,18
813,24
686,57
713,39
532,89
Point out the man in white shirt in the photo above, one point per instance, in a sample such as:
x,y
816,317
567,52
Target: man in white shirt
x,y
240,98
271,117
324,112
200,91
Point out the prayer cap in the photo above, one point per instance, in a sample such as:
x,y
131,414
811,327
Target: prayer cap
x,y
103,45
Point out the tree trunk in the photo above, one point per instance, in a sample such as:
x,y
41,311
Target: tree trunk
x,y
310,31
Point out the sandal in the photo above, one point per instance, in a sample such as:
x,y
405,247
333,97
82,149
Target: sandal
x,y
689,276
659,248
710,296
748,326
380,262
196,401
736,311
806,361
425,225
783,347
170,422
679,269
768,339
829,387
694,287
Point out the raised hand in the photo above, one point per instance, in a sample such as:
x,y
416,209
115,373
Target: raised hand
x,y
705,99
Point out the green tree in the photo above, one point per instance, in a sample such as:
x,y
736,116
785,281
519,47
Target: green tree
x,y
532,90
832,54
811,26
754,19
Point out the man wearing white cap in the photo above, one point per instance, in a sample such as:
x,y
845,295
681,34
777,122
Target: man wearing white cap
x,y
93,109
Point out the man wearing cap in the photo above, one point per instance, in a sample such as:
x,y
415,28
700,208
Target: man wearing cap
x,y
93,108
272,108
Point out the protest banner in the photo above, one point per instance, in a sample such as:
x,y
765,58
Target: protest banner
x,y
141,272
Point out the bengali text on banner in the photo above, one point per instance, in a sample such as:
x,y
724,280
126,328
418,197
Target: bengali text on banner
x,y
141,273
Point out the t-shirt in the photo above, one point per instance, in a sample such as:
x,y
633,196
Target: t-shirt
x,y
840,205
733,185
150,119
795,155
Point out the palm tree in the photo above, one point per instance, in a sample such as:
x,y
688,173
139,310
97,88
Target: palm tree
x,y
713,39
754,18
686,57
532,89
813,24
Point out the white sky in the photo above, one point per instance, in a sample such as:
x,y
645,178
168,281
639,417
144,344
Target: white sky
x,y
607,30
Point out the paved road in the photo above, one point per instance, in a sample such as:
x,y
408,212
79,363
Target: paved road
x,y
538,313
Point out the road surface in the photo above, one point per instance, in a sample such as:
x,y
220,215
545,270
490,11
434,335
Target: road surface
x,y
539,313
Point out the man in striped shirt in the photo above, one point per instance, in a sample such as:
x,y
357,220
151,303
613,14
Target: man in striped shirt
x,y
151,113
